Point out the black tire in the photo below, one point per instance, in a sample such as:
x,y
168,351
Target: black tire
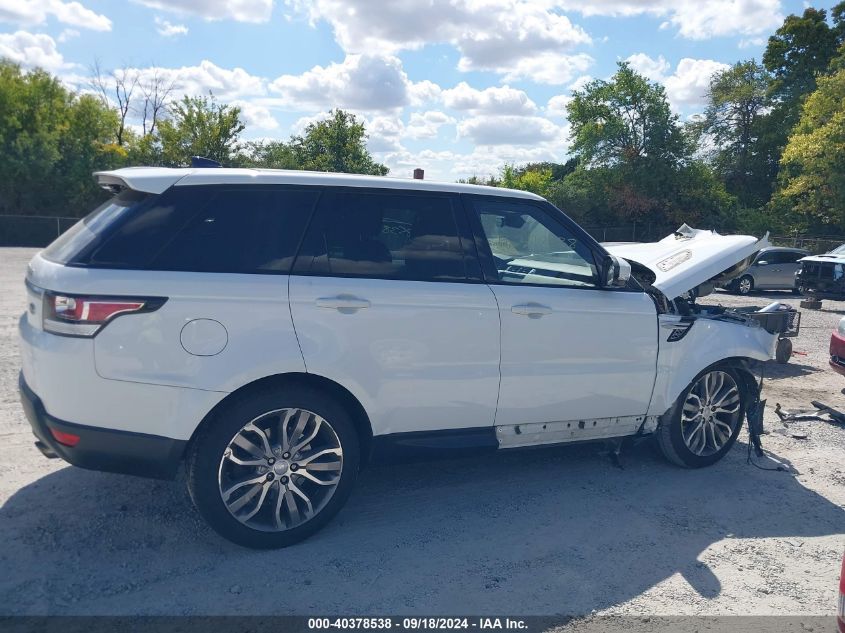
x,y
783,351
207,449
669,433
748,282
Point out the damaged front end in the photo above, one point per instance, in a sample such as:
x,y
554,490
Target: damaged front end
x,y
676,272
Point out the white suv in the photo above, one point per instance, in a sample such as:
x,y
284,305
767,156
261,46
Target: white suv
x,y
275,331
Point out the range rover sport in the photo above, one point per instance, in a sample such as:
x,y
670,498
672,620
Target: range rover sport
x,y
274,331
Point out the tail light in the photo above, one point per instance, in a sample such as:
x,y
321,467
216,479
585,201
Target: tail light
x,y
74,315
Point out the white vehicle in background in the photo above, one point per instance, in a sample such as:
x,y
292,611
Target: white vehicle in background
x,y
274,331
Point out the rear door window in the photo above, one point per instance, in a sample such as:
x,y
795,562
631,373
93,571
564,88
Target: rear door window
x,y
385,235
241,231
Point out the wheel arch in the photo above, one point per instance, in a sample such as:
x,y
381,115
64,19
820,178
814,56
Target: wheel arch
x,y
741,365
331,388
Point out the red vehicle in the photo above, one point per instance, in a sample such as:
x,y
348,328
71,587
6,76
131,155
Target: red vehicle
x,y
837,348
840,614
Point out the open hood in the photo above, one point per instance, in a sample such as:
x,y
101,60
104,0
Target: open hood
x,y
691,257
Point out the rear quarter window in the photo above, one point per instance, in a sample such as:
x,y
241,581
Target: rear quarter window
x,y
85,234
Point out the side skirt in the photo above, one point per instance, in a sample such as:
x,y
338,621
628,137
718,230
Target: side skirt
x,y
427,445
538,433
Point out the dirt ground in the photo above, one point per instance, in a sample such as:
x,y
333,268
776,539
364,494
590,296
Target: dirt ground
x,y
552,531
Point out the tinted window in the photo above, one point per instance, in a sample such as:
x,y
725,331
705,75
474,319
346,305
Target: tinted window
x,y
88,231
790,257
207,229
530,246
241,231
134,241
384,235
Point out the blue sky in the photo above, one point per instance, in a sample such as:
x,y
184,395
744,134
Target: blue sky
x,y
458,87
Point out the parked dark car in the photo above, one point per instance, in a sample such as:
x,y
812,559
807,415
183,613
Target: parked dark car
x,y
774,268
823,276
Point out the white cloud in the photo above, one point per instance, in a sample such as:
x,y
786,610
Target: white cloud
x,y
495,100
256,115
385,134
751,42
166,29
238,10
580,83
507,130
654,69
556,106
503,36
67,34
547,68
224,83
694,19
359,82
427,124
37,11
687,86
32,50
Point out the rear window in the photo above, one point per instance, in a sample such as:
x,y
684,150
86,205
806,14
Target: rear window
x,y
251,230
85,233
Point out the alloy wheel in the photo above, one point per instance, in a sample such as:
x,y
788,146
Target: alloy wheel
x,y
711,413
280,469
744,285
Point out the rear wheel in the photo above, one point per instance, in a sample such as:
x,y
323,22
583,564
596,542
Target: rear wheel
x,y
271,470
705,421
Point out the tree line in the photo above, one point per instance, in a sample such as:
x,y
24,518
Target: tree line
x,y
52,138
765,154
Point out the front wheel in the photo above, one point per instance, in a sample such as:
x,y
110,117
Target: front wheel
x,y
270,470
745,285
705,421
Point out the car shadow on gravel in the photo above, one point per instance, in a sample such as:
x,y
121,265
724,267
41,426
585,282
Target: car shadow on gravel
x,y
551,531
772,370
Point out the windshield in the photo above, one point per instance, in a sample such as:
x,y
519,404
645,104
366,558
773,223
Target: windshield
x,y
87,230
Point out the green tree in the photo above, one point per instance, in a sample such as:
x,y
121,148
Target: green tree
x,y
51,140
624,121
635,161
812,193
737,102
200,126
269,155
536,180
336,144
799,51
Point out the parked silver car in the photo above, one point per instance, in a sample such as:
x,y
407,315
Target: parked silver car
x,y
773,269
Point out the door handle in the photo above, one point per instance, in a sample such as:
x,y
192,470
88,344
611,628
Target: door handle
x,y
347,304
531,310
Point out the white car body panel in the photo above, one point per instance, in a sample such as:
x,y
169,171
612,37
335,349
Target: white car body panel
x,y
593,355
61,370
689,258
708,341
423,356
419,356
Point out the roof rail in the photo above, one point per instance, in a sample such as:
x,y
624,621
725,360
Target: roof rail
x,y
202,161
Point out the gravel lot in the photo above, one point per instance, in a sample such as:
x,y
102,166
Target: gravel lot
x,y
553,531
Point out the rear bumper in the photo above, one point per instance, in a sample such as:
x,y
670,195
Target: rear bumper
x,y
837,353
102,449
